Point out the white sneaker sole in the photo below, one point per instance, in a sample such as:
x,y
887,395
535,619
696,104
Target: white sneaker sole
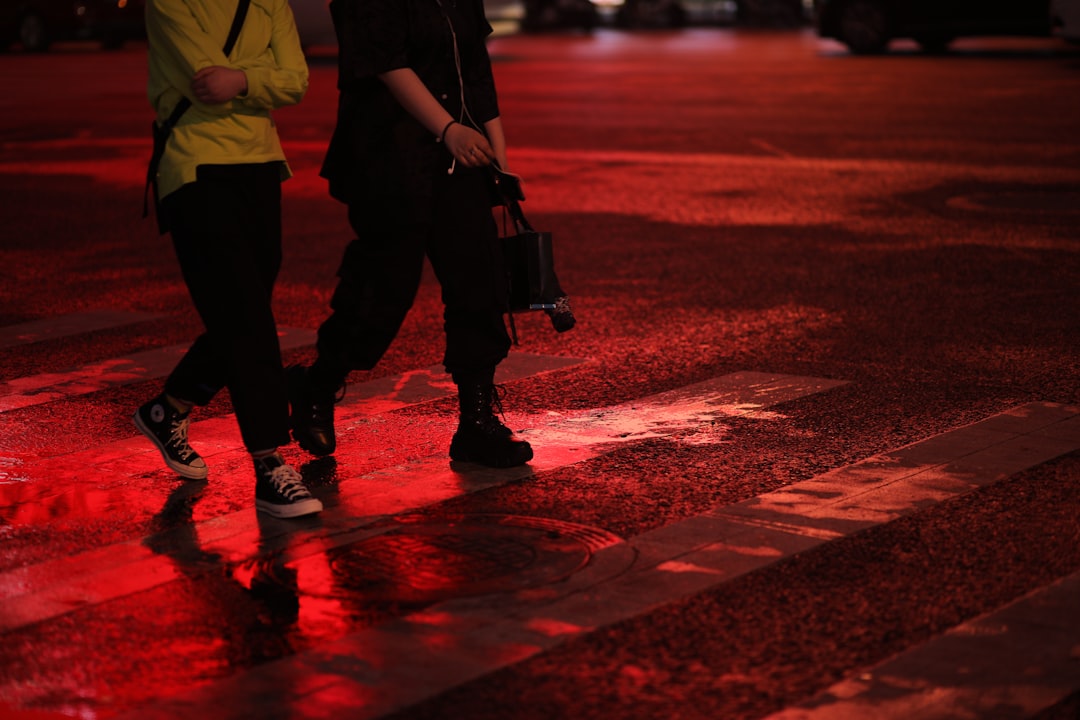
x,y
292,510
188,472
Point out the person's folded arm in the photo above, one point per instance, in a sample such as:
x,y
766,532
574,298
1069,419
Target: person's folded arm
x,y
174,33
279,76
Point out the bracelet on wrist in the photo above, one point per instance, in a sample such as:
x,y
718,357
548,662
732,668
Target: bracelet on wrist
x,y
442,137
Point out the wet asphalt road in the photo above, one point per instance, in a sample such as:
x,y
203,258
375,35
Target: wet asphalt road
x,y
722,201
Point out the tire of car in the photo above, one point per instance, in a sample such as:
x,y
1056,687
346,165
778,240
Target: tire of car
x,y
864,26
676,16
934,43
539,16
651,14
33,34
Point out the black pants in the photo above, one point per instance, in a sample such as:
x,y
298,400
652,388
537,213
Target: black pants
x,y
226,228
381,271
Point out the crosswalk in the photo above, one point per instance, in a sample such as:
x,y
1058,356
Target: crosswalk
x,y
67,325
632,577
48,387
569,580
1013,662
107,573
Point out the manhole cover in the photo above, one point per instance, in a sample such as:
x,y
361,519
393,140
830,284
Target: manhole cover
x,y
428,560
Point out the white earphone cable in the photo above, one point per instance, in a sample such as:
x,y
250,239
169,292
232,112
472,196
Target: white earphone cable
x,y
464,113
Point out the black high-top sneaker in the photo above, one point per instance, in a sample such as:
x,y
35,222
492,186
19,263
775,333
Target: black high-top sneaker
x,y
480,437
167,428
312,413
280,490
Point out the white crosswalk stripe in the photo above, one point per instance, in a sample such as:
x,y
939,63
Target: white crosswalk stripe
x,y
47,387
67,325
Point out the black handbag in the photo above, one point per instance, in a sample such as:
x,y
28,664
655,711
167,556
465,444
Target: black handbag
x,y
529,263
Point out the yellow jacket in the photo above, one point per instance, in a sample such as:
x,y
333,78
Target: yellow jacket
x,y
186,36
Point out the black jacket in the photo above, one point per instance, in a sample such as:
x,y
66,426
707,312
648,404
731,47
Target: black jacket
x,y
379,154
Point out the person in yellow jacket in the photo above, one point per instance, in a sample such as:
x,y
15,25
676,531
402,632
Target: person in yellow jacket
x,y
218,183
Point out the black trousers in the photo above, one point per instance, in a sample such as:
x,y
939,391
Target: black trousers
x,y
226,229
381,271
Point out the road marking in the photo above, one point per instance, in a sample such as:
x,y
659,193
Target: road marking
x,y
376,671
113,372
684,186
128,152
52,328
770,148
55,587
49,488
1009,664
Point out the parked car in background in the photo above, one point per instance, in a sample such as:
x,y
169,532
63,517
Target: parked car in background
x,y
676,13
1066,18
316,27
867,26
36,24
772,13
504,15
559,14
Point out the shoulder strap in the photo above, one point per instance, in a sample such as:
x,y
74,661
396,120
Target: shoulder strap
x,y
230,42
237,23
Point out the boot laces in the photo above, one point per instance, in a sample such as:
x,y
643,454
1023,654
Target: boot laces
x,y
498,392
497,419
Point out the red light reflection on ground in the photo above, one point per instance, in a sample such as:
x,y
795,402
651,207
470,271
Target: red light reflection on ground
x,y
344,696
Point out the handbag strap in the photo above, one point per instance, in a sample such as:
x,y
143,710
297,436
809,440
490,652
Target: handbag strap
x,y
518,215
513,207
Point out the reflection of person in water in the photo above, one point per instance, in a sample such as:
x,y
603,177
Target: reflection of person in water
x,y
257,598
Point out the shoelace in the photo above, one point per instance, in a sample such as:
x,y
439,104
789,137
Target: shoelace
x,y
498,392
289,483
498,415
178,438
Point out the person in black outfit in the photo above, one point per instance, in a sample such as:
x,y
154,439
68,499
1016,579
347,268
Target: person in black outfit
x,y
418,128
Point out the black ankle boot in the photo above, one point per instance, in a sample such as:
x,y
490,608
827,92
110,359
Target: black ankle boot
x,y
312,413
480,437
